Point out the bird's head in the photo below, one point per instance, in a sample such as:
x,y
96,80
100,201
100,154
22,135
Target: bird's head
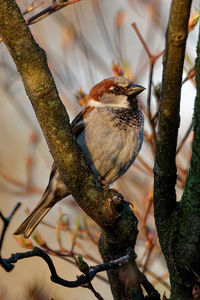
x,y
116,92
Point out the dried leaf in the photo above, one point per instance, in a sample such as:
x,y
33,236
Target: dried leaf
x,y
120,18
117,69
81,97
194,17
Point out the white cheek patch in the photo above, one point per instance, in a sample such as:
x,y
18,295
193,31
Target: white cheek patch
x,y
110,100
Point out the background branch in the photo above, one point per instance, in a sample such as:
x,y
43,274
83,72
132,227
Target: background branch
x,y
89,272
83,280
49,10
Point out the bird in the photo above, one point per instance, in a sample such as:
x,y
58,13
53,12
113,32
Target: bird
x,y
109,131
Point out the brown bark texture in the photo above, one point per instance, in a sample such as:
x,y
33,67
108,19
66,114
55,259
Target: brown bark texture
x,y
177,223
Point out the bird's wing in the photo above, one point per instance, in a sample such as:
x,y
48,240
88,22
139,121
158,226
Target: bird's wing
x,y
56,189
78,124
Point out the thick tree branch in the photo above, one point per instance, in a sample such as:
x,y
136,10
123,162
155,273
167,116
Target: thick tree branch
x,y
191,199
187,231
31,62
177,223
165,166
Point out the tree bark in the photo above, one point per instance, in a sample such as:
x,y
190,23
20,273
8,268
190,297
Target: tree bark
x,y
177,223
165,166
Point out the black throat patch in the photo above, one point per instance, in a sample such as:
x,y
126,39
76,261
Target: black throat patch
x,y
126,117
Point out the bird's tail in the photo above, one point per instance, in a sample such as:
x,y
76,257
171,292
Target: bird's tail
x,y
41,209
55,191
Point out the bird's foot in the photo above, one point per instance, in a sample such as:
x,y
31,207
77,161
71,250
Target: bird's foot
x,y
104,182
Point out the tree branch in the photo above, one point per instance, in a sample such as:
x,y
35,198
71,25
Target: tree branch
x,y
49,10
82,280
187,232
89,272
191,199
165,166
31,62
177,223
6,222
7,264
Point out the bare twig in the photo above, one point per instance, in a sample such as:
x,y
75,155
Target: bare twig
x,y
91,288
152,60
27,189
145,165
149,288
45,12
75,235
190,75
32,7
7,263
6,222
49,10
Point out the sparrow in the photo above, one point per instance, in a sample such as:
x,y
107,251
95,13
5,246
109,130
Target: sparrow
x,y
109,131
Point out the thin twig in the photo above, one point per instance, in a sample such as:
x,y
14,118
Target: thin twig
x,y
159,279
6,222
149,288
96,294
141,39
27,188
152,60
32,7
49,10
7,263
190,75
144,164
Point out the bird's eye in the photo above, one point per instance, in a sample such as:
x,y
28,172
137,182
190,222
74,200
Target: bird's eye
x,y
116,89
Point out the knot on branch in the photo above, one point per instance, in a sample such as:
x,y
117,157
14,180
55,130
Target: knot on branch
x,y
112,209
178,38
116,202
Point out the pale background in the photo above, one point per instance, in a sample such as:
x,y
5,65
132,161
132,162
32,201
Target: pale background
x,y
73,70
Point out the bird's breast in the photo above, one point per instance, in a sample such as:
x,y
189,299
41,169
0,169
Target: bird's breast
x,y
108,147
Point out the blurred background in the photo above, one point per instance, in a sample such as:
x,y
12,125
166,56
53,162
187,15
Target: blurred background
x,y
85,43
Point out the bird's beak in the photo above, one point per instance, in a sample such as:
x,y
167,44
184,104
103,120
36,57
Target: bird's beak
x,y
135,90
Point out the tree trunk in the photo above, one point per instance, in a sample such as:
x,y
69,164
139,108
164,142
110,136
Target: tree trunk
x,y
177,223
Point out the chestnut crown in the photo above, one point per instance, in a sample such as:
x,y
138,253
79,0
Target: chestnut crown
x,y
114,92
